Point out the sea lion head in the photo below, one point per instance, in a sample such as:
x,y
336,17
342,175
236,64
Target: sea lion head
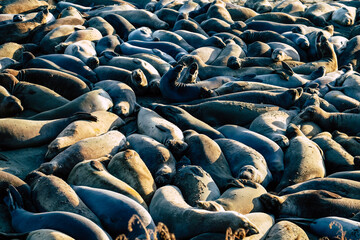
x,y
251,173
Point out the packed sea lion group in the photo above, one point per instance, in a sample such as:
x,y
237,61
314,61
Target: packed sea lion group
x,y
179,119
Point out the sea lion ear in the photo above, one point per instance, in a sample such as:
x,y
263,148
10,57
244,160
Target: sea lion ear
x,y
287,68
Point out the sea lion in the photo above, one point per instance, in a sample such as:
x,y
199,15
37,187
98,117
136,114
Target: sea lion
x,y
159,64
259,6
273,125
336,157
141,33
252,165
310,204
50,193
344,122
21,133
259,49
351,175
217,113
86,149
102,25
301,167
37,98
350,143
167,15
319,13
207,54
92,173
156,156
168,206
339,44
280,17
209,71
55,80
122,26
195,184
343,187
9,104
184,23
341,101
116,212
153,125
57,36
349,84
122,95
130,168
185,120
286,230
206,153
79,130
24,221
299,39
242,199
73,64
85,51
18,31
109,43
135,78
164,35
20,6
197,40
231,49
96,100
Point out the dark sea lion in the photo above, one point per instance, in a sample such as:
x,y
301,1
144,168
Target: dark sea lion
x,y
184,23
73,64
120,210
252,165
167,15
310,204
168,206
122,26
242,199
220,112
20,133
108,43
153,125
86,149
185,120
53,79
79,130
299,39
231,49
259,49
336,157
206,153
350,143
18,31
9,105
96,100
38,98
240,13
301,167
122,95
136,78
130,168
24,221
156,156
269,149
343,187
102,25
197,40
196,185
50,193
260,6
92,173
159,64
344,122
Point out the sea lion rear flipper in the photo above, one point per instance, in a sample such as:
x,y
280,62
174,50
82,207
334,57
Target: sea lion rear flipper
x,y
13,199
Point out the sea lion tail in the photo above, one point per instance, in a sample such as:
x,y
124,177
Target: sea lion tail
x,y
84,116
13,199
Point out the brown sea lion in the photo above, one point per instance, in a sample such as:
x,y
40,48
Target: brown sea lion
x,y
350,143
9,104
21,6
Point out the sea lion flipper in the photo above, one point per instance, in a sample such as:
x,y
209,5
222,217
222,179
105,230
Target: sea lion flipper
x,y
4,158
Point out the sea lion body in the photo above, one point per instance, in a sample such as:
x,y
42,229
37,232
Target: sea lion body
x,y
102,25
152,124
136,78
120,208
85,51
185,120
350,143
156,156
259,6
159,64
164,35
307,165
206,153
86,149
136,173
122,26
108,43
9,104
92,101
92,173
252,165
286,230
122,95
168,206
20,133
79,130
